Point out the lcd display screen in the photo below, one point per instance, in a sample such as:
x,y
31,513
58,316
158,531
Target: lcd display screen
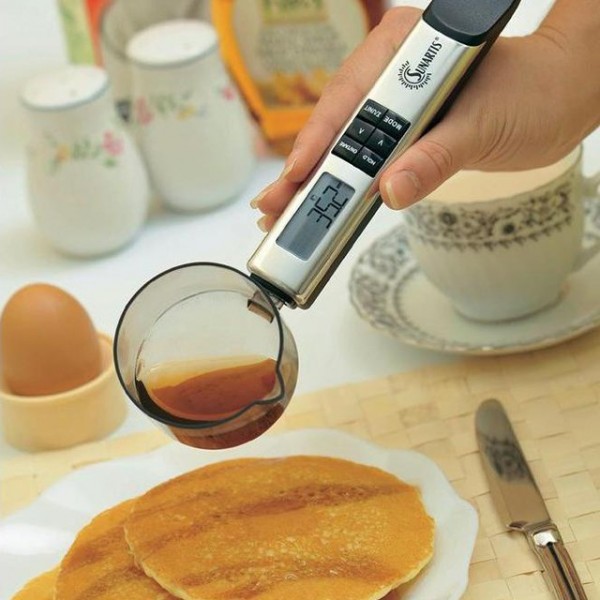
x,y
311,222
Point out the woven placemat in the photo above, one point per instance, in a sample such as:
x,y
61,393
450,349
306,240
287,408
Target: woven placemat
x,y
552,397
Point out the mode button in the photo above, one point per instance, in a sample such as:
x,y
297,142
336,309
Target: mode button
x,y
394,124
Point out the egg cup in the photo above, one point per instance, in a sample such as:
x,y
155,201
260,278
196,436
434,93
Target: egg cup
x,y
83,414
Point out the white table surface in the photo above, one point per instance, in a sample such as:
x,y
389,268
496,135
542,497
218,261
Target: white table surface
x,y
335,346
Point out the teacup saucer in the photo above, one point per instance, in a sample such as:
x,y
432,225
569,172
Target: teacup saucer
x,y
390,292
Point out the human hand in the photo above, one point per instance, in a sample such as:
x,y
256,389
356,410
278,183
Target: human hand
x,y
516,112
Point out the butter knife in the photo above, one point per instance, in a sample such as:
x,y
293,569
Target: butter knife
x,y
519,501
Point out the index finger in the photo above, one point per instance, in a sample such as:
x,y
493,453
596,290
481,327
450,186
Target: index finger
x,y
339,99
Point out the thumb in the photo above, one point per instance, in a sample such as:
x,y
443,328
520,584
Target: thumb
x,y
423,167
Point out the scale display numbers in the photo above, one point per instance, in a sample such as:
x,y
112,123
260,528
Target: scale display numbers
x,y
311,222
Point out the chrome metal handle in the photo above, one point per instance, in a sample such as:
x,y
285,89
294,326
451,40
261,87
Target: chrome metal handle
x,y
559,569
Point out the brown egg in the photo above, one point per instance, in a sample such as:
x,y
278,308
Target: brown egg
x,y
48,343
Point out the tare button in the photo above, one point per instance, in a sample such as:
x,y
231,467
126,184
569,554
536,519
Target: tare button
x,y
347,148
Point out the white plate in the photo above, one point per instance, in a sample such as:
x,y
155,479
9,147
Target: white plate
x,y
390,292
34,539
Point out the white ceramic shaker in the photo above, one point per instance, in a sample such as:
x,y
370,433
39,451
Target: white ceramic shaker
x,y
121,20
192,127
86,181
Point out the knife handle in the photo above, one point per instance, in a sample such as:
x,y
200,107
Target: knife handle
x,y
559,569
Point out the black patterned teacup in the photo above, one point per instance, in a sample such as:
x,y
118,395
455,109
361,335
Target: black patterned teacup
x,y
501,245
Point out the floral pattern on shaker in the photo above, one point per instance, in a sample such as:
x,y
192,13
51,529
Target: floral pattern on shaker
x,y
142,113
228,92
170,105
105,151
180,106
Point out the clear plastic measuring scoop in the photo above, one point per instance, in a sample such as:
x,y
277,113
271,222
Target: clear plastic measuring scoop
x,y
202,350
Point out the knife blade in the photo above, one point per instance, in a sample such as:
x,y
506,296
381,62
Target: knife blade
x,y
518,499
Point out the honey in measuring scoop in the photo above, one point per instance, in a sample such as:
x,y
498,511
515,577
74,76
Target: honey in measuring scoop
x,y
209,390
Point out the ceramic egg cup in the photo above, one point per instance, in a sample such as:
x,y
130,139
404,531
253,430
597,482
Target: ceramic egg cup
x,y
86,413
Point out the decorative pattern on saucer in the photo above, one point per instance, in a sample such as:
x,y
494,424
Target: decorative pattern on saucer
x,y
391,293
452,227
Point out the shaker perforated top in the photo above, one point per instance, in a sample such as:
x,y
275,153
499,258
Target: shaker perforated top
x,y
64,88
172,43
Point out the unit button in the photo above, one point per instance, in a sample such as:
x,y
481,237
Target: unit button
x,y
372,112
394,124
347,148
368,162
359,130
381,143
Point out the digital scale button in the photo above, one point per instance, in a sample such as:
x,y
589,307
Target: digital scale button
x,y
372,112
347,148
368,162
381,143
359,130
394,124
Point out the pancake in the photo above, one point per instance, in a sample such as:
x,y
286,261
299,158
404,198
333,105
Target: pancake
x,y
297,528
99,566
40,588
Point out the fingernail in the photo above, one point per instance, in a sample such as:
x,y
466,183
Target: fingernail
x,y
262,224
258,199
289,165
402,189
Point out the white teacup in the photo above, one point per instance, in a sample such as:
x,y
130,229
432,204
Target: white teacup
x,y
501,245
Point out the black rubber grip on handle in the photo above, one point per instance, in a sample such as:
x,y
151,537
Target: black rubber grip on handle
x,y
470,22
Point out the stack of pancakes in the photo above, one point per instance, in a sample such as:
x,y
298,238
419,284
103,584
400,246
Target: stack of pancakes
x,y
302,527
